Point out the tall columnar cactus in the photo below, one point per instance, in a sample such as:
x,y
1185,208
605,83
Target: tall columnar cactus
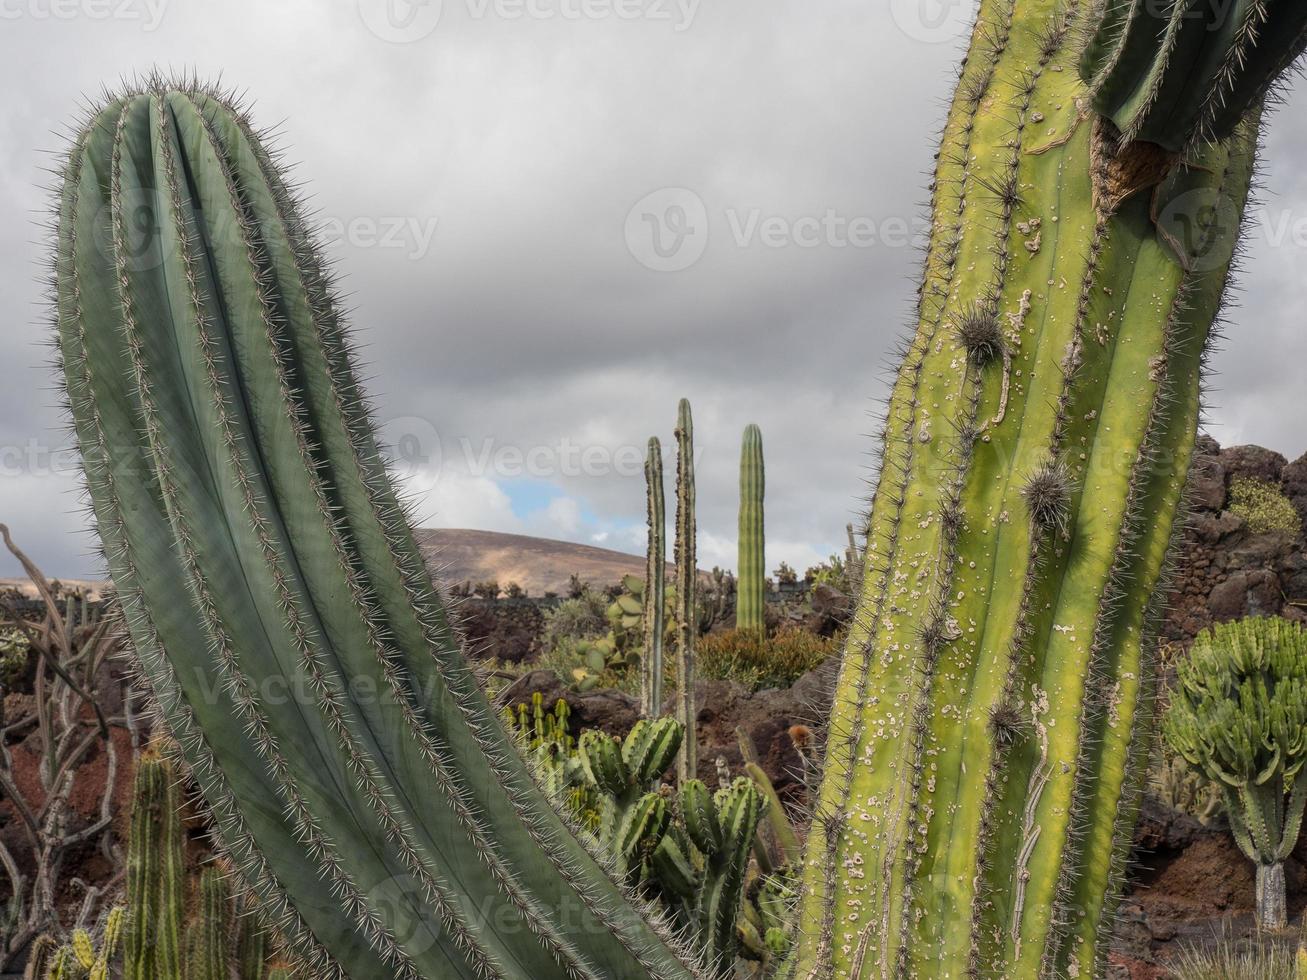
x,y
279,605
655,586
749,607
687,584
153,944
209,934
993,707
1239,713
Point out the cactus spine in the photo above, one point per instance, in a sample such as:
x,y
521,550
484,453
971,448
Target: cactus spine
x,y
268,575
993,705
1238,712
749,606
655,589
687,583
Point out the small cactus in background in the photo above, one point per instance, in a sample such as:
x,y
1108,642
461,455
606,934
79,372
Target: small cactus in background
x,y
750,589
39,957
1239,713
687,581
655,586
87,956
156,875
633,814
701,865
209,934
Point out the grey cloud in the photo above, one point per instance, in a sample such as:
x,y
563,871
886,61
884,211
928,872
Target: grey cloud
x,y
526,319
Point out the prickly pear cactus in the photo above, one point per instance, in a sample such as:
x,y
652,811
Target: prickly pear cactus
x,y
992,711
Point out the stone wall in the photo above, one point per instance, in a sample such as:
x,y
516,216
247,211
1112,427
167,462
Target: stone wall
x,y
1225,571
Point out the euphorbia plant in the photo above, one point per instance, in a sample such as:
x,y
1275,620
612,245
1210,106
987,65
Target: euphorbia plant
x,y
1239,713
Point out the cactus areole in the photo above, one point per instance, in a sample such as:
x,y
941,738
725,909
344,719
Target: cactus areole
x,y
992,713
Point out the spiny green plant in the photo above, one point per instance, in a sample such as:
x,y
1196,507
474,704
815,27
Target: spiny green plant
x,y
208,934
654,612
153,946
1239,713
40,955
356,775
86,956
626,773
702,862
750,592
158,941
687,581
991,721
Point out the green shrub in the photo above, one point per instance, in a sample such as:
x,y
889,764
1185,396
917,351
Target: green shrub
x,y
757,660
1263,507
579,618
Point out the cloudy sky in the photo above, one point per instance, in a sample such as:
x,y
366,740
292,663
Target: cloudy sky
x,y
557,217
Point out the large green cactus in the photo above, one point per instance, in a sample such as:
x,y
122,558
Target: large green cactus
x,y
749,608
993,703
276,597
1239,713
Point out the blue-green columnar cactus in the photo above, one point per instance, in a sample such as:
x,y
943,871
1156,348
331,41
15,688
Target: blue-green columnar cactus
x,y
277,600
1239,713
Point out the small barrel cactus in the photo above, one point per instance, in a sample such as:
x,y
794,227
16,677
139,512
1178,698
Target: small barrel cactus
x,y
1239,712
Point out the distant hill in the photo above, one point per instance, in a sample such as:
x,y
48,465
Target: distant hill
x,y
457,555
539,565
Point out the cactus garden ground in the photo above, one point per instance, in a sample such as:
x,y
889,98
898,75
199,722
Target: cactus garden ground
x,y
1190,886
